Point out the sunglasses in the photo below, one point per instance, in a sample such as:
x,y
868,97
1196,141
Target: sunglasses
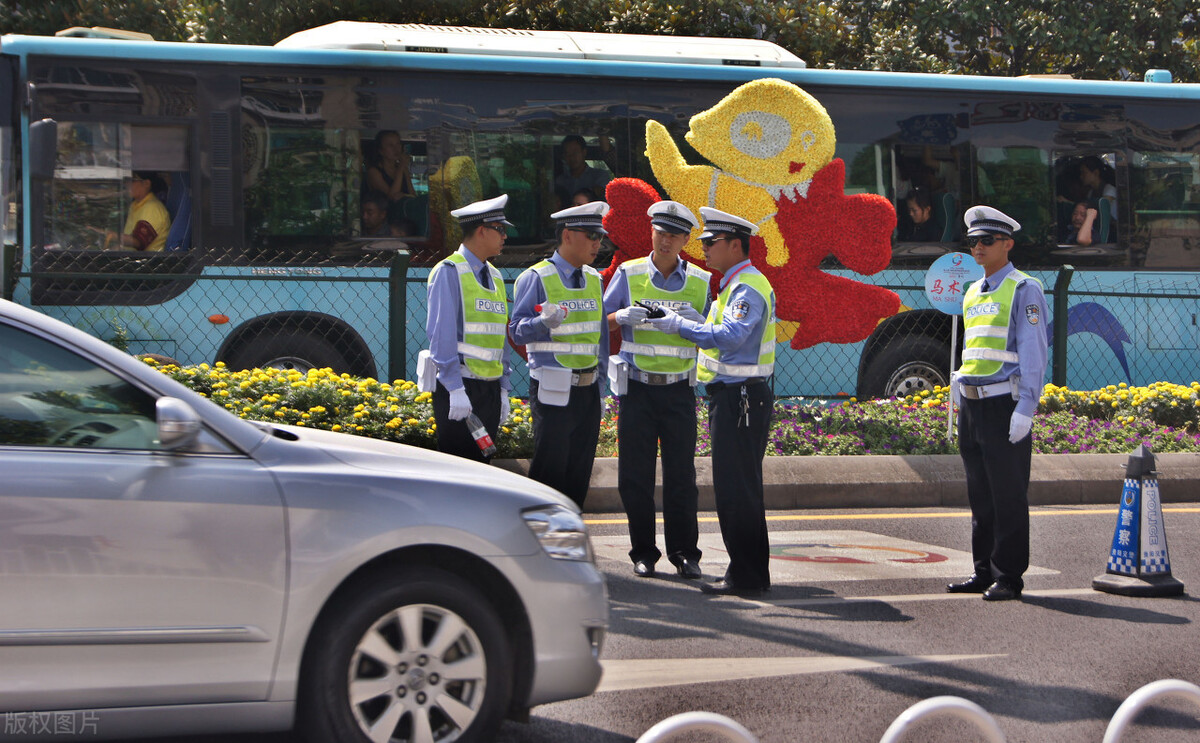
x,y
589,234
708,242
987,240
496,226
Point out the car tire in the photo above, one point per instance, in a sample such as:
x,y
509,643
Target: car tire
x,y
420,651
906,365
293,349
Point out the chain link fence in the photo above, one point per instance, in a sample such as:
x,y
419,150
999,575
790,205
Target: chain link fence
x,y
365,314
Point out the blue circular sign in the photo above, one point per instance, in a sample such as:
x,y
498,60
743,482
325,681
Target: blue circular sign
x,y
947,280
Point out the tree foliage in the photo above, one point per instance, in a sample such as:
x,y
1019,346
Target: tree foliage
x,y
1104,40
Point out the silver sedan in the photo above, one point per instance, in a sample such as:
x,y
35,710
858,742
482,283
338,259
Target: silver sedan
x,y
166,567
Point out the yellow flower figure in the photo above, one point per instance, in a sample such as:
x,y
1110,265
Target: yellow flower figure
x,y
455,184
768,138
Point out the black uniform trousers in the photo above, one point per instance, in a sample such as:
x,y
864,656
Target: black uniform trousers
x,y
564,440
997,488
651,415
739,443
453,437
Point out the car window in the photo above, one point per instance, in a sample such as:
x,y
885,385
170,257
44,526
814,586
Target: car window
x,y
50,396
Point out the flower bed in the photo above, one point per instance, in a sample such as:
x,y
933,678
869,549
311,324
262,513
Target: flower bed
x,y
1115,419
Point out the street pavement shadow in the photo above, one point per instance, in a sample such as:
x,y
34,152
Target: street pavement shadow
x,y
1102,610
542,730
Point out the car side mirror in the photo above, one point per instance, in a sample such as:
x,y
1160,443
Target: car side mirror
x,y
178,424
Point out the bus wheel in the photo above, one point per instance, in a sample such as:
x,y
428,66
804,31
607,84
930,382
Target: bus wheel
x,y
907,365
294,349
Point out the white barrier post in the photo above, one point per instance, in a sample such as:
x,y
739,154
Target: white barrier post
x,y
706,721
1138,700
953,706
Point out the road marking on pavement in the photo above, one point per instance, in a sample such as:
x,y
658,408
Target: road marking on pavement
x,y
901,515
901,598
649,673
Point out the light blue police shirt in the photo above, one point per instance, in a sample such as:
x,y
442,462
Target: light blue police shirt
x,y
738,338
617,295
444,326
1026,336
525,325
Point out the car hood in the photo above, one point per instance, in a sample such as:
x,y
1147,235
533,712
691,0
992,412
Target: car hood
x,y
415,463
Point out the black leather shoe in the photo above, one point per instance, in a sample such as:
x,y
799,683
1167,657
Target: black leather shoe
x,y
724,588
688,569
643,569
1001,591
974,584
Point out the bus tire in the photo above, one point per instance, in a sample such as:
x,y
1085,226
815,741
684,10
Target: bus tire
x,y
907,364
290,349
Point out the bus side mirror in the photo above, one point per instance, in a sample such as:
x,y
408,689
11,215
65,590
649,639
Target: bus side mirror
x,y
43,149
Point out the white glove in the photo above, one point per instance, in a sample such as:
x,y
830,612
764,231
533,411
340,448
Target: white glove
x,y
460,405
688,312
1018,427
633,315
955,394
505,406
552,315
669,322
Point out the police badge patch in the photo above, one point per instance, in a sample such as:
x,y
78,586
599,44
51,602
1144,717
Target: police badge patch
x,y
1031,314
740,309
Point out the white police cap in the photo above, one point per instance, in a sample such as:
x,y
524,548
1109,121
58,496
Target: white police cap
x,y
984,220
717,222
673,217
488,210
589,216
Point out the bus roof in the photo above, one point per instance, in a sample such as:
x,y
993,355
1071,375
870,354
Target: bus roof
x,y
414,37
508,61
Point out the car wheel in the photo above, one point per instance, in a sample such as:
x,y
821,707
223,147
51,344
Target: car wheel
x,y
907,365
409,658
288,350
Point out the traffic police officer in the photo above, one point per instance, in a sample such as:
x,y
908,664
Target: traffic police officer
x,y
998,384
468,317
558,317
654,379
737,357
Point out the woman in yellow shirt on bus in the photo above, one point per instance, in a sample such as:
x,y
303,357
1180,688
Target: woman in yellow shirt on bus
x,y
148,223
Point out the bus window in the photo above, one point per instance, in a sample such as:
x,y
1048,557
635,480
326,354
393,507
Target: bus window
x,y
928,193
1085,198
1016,180
1166,209
302,186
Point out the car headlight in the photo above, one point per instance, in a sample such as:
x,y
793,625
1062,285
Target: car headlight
x,y
560,531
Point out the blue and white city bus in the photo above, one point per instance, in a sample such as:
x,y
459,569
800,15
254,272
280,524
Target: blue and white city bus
x,y
262,155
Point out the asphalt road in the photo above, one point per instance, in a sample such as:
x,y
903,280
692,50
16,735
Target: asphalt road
x,y
858,628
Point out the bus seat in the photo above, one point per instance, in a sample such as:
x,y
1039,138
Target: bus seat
x,y
1103,227
945,214
416,209
179,207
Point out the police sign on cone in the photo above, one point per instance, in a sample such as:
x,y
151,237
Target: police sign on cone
x,y
1139,563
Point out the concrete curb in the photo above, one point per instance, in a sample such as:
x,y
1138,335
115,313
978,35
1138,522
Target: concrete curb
x,y
910,481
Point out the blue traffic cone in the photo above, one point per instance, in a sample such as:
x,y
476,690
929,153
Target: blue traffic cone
x,y
1139,563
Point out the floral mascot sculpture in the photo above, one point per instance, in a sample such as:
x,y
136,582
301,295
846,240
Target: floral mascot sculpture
x,y
772,146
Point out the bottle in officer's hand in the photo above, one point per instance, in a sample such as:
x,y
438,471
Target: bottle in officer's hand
x,y
479,432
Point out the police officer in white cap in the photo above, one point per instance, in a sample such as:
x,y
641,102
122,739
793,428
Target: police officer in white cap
x,y
558,315
737,357
468,317
654,379
998,387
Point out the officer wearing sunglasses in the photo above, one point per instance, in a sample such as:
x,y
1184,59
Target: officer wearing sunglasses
x,y
558,315
998,387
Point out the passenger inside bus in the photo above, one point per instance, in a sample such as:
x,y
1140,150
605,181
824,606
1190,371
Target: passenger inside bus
x,y
1083,222
577,174
921,226
375,215
391,171
1092,181
148,222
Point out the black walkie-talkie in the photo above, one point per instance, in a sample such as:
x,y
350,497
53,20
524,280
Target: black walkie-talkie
x,y
654,312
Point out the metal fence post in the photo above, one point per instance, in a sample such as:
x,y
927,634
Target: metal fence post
x,y
397,316
8,270
1059,370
